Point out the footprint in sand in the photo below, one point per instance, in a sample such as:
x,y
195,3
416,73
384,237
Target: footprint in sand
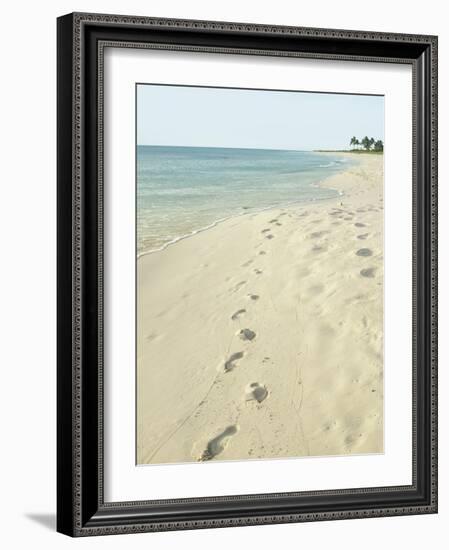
x,y
255,392
246,264
237,286
230,363
359,224
253,296
262,253
316,289
273,221
269,237
247,334
258,271
350,440
368,272
277,223
318,234
363,236
237,314
364,252
265,230
217,445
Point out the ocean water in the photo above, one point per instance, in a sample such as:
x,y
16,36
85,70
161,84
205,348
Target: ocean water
x,y
182,190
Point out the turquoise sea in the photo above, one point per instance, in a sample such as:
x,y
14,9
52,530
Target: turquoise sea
x,y
182,190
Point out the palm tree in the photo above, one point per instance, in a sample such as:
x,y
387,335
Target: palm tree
x,y
366,143
379,145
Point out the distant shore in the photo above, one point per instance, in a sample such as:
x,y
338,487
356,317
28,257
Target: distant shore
x,y
262,336
356,151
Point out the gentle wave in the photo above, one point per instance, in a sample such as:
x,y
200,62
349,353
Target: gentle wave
x,y
221,220
183,191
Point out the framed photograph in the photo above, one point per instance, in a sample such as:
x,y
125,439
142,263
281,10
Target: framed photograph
x,y
247,278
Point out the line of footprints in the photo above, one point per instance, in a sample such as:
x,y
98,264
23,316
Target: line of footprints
x,y
254,391
339,213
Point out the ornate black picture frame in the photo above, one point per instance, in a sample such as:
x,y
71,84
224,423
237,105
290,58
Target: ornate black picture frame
x,y
81,510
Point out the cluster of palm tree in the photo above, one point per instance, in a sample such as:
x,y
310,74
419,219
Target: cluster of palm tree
x,y
369,144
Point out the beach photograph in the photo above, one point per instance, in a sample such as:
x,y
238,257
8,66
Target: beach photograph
x,y
259,274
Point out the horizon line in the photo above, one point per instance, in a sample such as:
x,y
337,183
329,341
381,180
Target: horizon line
x,y
314,149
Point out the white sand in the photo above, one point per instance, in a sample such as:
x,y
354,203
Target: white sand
x,y
307,283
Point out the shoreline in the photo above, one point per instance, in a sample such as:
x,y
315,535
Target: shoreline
x,y
241,214
264,209
263,336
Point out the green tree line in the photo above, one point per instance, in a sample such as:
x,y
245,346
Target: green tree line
x,y
369,144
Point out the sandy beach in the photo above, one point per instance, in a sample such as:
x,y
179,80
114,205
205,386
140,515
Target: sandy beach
x,y
262,337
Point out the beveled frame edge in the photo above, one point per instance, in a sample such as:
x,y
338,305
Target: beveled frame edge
x,y
71,228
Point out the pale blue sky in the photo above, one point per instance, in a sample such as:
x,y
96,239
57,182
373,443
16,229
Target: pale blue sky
x,y
226,117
